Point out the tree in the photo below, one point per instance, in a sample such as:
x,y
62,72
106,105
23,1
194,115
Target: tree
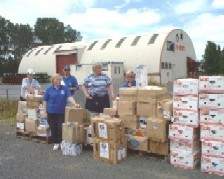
x,y
71,35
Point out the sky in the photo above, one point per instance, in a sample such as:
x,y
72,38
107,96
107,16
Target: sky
x,y
203,20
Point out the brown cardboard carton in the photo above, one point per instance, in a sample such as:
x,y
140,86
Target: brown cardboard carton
x,y
165,108
159,148
147,108
31,126
126,107
137,143
43,131
73,114
130,121
157,129
73,132
128,94
110,111
22,107
34,102
20,117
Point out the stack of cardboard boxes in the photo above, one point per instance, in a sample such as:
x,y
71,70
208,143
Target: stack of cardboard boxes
x,y
184,131
109,141
211,103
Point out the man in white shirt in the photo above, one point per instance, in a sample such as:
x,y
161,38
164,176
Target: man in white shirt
x,y
29,85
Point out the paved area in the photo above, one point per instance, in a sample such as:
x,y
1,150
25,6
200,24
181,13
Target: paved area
x,y
26,159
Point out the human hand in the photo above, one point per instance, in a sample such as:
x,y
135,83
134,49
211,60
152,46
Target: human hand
x,y
89,97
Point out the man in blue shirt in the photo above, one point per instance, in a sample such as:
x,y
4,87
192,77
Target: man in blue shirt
x,y
129,80
69,80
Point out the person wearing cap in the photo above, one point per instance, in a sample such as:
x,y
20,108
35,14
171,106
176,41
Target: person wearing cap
x,y
69,80
29,85
129,80
97,89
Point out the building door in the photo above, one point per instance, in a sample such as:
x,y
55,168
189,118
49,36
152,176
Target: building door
x,y
62,60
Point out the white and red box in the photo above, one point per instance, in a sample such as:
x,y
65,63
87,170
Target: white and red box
x,y
185,145
211,84
185,87
186,117
184,159
212,148
212,165
211,116
185,102
212,101
183,132
212,132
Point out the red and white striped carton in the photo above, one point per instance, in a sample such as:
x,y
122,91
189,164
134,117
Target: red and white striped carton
x,y
211,84
186,117
211,101
211,116
185,145
185,87
185,103
183,132
212,165
213,148
184,159
212,132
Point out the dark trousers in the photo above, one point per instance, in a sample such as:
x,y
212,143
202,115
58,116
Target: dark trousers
x,y
55,122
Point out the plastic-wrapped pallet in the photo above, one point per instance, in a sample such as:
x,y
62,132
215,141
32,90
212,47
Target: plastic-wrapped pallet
x,y
71,149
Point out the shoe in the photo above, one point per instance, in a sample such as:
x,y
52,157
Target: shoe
x,y
56,146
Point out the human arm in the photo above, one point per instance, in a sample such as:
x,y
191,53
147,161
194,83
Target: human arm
x,y
87,95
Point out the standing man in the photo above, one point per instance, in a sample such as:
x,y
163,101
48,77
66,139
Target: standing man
x,y
69,80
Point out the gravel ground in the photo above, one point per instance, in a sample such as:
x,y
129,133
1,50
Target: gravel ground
x,y
24,159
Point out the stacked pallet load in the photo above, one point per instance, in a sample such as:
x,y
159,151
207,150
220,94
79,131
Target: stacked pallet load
x,y
184,130
211,103
73,131
109,141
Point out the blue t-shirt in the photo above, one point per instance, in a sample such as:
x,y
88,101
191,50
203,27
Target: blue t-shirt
x,y
126,84
56,99
71,82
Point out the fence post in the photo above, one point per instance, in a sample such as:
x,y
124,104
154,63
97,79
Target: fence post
x,y
7,94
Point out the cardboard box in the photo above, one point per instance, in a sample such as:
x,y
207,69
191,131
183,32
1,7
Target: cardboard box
x,y
184,159
43,131
185,87
110,111
128,94
34,102
20,117
212,101
130,121
73,132
32,113
109,152
73,114
186,117
137,143
158,148
126,107
211,84
20,126
157,129
88,135
212,132
147,109
183,132
185,102
212,165
189,146
165,108
31,126
146,94
22,107
211,116
213,148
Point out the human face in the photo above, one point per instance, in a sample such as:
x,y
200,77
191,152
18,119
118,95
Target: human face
x,y
97,70
57,81
30,76
66,72
130,77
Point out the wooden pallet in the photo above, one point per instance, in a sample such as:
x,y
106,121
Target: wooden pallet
x,y
33,137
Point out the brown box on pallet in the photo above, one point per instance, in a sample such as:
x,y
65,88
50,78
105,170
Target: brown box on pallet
x,y
20,117
159,148
138,143
22,107
31,126
147,108
110,111
165,108
109,152
126,107
130,121
73,132
128,94
43,131
34,102
157,129
73,114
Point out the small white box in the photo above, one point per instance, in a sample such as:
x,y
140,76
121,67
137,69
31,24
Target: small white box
x,y
213,148
185,87
186,117
211,101
184,159
212,165
212,132
211,84
143,122
185,102
212,116
183,132
189,146
20,126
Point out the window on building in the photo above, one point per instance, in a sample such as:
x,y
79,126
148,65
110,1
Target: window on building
x,y
135,41
119,43
170,46
58,48
115,70
119,70
29,52
170,65
38,51
181,36
45,53
153,38
92,45
163,65
105,44
166,65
